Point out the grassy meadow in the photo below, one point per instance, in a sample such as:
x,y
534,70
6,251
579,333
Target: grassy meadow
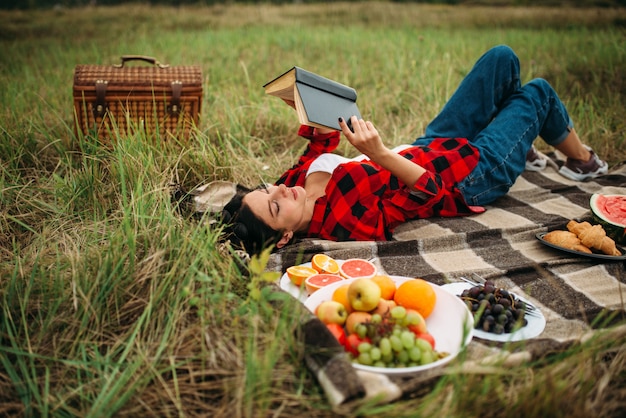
x,y
113,305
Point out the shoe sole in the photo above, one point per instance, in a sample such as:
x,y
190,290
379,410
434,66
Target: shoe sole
x,y
536,167
572,175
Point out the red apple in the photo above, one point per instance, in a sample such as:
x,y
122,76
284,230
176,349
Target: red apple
x,y
383,307
331,312
355,318
364,294
352,343
338,332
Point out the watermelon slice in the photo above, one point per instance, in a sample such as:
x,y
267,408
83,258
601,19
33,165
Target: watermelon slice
x,y
610,212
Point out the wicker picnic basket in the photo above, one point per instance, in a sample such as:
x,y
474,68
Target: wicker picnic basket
x,y
113,101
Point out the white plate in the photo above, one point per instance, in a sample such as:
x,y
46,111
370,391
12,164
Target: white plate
x,y
535,326
299,293
451,324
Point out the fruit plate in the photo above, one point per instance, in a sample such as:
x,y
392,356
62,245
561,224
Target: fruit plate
x,y
450,323
300,292
622,257
535,326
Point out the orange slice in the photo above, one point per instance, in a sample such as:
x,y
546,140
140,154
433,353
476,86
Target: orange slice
x,y
324,264
298,274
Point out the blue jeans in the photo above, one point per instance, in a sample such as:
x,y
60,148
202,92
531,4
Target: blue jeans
x,y
501,118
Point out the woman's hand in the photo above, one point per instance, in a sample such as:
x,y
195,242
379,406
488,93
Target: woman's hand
x,y
364,137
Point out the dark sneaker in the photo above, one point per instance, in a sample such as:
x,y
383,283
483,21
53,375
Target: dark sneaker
x,y
535,161
581,170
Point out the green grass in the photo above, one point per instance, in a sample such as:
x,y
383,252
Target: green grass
x,y
111,304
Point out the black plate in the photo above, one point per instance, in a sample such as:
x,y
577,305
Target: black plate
x,y
592,255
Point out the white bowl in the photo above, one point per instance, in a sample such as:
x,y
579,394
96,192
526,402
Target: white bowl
x,y
450,323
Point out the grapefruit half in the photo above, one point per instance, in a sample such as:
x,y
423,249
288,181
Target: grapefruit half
x,y
357,267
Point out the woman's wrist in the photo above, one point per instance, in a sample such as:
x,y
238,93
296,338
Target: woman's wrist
x,y
384,157
323,131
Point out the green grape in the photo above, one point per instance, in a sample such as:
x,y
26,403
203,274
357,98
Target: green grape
x,y
375,353
364,347
408,339
402,356
387,358
415,354
427,357
361,330
423,345
397,330
379,363
396,343
365,359
413,318
376,319
385,346
398,312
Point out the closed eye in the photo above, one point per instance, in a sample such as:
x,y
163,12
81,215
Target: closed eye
x,y
277,207
272,204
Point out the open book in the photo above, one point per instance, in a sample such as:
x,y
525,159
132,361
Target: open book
x,y
319,101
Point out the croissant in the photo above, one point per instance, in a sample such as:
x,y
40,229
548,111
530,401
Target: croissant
x,y
577,227
593,237
566,239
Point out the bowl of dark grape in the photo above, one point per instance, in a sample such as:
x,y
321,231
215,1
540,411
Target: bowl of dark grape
x,y
499,315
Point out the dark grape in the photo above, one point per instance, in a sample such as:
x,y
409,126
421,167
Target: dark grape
x,y
497,309
500,310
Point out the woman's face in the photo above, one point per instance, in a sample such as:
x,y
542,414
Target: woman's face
x,y
281,208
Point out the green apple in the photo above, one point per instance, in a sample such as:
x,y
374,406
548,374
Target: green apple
x,y
331,312
364,294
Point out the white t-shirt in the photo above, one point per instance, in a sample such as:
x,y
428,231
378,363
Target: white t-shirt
x,y
327,162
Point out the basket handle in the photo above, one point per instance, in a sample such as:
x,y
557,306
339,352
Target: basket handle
x,y
150,60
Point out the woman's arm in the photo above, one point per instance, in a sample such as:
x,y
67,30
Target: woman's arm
x,y
366,139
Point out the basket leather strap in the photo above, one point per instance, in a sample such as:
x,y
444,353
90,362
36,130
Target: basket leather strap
x,y
149,60
100,106
177,88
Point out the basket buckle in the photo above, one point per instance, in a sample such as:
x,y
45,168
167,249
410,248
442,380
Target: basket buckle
x,y
174,106
100,106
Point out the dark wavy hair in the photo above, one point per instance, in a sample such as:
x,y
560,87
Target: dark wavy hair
x,y
243,228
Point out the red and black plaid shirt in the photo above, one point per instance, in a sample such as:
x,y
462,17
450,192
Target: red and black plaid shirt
x,y
365,202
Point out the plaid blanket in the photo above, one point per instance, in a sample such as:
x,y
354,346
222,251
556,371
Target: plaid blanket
x,y
576,294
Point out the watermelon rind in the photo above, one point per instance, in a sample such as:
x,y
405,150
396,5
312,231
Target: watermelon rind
x,y
614,230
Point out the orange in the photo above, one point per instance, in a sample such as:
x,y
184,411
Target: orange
x,y
357,267
317,281
387,286
297,274
324,264
341,295
416,294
